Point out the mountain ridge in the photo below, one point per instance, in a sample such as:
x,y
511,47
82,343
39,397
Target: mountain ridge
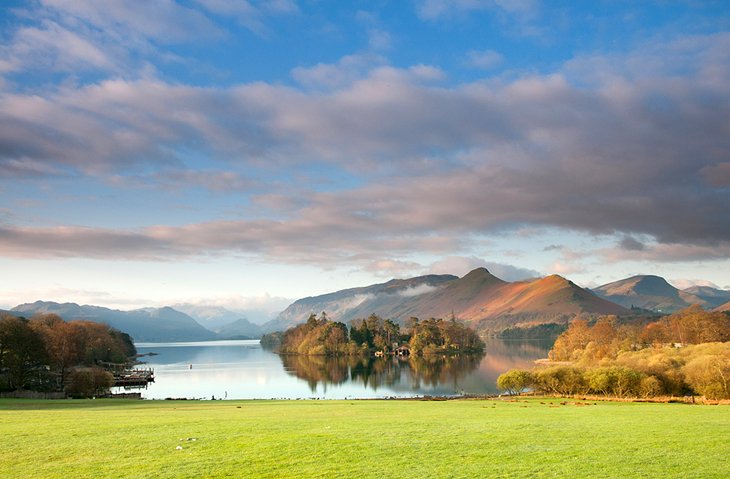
x,y
478,297
143,324
655,293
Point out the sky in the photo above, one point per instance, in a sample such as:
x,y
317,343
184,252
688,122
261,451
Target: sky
x,y
248,153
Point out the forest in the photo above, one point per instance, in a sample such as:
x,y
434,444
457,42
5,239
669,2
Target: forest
x,y
48,354
685,353
321,336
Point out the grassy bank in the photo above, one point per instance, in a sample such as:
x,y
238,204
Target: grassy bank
x,y
401,439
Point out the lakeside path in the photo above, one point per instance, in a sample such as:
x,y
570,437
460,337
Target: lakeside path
x,y
363,439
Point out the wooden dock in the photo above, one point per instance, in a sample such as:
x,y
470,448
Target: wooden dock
x,y
134,378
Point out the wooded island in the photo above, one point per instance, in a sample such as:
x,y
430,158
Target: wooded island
x,y
375,335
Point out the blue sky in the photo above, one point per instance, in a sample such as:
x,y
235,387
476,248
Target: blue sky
x,y
247,153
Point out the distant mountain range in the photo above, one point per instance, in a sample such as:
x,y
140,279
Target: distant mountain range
x,y
224,322
480,298
147,324
656,294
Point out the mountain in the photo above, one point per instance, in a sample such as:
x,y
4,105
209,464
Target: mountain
x,y
650,292
148,324
240,329
210,317
352,303
711,297
216,317
723,307
490,303
5,312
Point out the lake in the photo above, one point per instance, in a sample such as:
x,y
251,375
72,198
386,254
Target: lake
x,y
244,370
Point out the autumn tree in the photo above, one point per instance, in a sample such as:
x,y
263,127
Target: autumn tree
x,y
515,381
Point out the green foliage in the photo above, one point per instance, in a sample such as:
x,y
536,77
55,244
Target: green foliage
x,y
375,333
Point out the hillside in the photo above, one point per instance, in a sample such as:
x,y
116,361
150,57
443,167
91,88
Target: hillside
x,y
479,297
648,292
148,324
711,297
723,307
353,303
239,329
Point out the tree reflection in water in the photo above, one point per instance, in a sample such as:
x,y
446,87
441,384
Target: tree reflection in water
x,y
376,372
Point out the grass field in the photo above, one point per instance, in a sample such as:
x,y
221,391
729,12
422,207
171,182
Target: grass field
x,y
362,439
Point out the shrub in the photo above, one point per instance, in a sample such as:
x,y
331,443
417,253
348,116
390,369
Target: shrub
x,y
561,380
651,386
89,382
709,375
515,381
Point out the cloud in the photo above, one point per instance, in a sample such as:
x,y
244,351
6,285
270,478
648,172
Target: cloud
x,y
717,175
563,268
687,283
417,290
670,252
391,268
484,60
631,244
461,265
435,9
345,72
438,165
164,20
121,39
264,303
250,13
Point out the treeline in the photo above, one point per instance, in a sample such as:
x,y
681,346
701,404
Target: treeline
x,y
586,343
47,353
685,353
320,336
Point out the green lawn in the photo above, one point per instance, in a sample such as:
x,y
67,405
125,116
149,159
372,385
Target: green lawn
x,y
378,439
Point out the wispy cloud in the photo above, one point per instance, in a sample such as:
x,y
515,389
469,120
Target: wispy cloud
x,y
435,9
484,59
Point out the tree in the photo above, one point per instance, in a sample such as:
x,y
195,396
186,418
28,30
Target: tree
x,y
21,350
88,382
515,381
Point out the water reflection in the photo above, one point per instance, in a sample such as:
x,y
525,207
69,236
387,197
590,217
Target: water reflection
x,y
373,373
243,370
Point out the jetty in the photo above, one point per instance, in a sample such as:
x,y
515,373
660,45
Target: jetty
x,y
134,378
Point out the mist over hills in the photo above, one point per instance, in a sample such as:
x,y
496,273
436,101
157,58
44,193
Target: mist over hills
x,y
487,302
479,297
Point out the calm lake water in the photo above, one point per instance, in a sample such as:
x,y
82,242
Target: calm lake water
x,y
243,370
